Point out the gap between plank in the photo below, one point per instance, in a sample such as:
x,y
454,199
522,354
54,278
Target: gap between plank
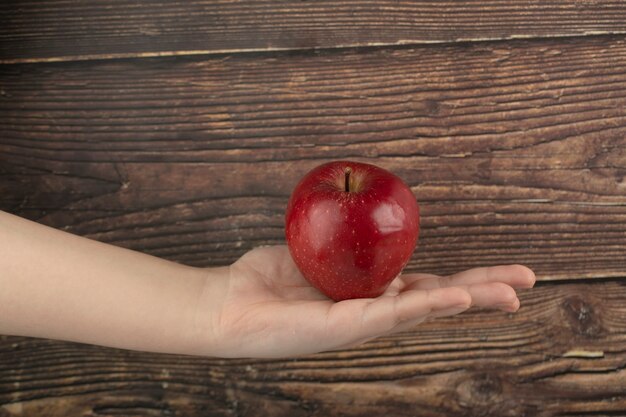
x,y
269,50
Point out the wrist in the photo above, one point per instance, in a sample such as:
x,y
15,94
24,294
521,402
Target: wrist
x,y
202,335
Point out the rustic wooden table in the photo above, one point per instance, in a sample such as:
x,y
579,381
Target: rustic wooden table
x,y
179,129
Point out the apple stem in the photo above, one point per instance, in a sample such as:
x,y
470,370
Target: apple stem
x,y
347,172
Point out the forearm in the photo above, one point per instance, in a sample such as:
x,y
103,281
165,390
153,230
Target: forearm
x,y
61,286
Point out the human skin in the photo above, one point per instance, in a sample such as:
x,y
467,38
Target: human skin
x,y
57,285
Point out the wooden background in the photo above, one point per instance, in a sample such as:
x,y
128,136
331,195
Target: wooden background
x,y
179,129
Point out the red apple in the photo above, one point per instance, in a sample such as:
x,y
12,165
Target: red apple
x,y
351,228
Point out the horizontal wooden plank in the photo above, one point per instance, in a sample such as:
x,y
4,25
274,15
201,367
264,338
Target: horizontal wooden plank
x,y
562,354
62,30
517,152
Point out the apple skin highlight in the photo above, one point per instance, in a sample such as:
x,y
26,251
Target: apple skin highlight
x,y
351,228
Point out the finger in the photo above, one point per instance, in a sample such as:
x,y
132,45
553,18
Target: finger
x,y
517,276
494,295
488,295
408,325
354,320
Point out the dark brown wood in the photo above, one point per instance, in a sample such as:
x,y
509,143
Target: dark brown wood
x,y
562,355
516,151
70,30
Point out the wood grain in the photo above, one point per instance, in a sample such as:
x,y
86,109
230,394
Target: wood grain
x,y
561,355
516,152
68,30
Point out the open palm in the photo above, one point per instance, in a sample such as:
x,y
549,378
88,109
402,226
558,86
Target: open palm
x,y
268,309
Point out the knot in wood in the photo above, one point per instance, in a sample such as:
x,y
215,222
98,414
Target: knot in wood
x,y
432,106
582,317
480,390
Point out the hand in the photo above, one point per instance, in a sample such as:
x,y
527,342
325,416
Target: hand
x,y
267,308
